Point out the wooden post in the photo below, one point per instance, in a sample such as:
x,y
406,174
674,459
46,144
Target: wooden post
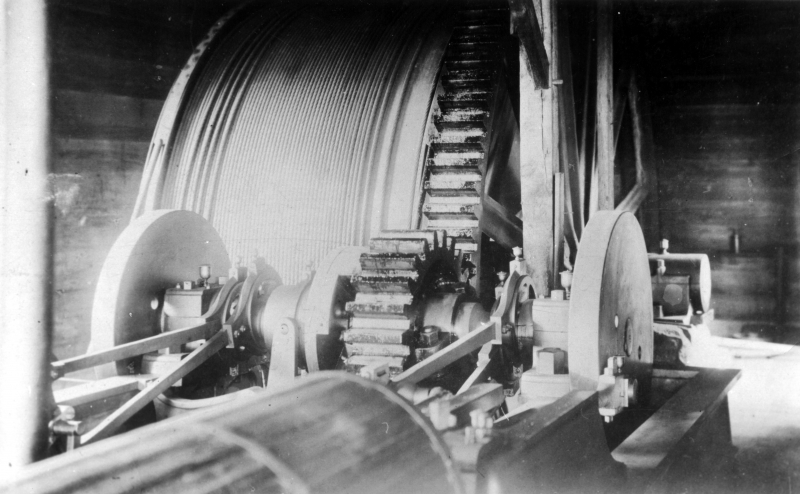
x,y
605,106
572,163
646,162
25,235
536,163
558,168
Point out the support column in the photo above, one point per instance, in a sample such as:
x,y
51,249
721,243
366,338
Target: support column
x,y
537,138
605,106
25,235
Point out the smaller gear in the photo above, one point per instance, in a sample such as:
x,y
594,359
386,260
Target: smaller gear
x,y
402,270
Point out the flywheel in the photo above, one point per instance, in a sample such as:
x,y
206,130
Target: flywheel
x,y
611,308
299,129
156,251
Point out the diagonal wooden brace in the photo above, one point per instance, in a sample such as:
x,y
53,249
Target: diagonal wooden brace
x,y
439,360
155,388
531,41
135,348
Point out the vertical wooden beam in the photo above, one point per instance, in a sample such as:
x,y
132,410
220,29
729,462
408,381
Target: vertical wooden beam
x,y
605,106
25,235
570,151
649,212
558,165
536,163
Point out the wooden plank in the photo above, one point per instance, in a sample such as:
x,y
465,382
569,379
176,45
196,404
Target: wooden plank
x,y
664,438
536,170
562,446
464,346
500,224
645,193
605,106
111,423
104,388
531,41
135,348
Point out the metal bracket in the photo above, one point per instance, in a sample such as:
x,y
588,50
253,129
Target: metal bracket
x,y
615,391
283,356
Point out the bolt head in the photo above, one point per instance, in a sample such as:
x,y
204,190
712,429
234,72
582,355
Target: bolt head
x,y
284,329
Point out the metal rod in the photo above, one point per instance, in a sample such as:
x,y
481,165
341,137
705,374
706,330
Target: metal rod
x,y
25,234
155,388
136,348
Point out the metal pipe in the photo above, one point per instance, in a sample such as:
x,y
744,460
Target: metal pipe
x,y
26,234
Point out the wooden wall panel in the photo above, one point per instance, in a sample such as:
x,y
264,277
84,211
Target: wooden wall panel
x,y
726,100
113,64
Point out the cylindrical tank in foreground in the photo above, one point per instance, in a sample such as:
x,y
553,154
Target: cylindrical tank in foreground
x,y
333,433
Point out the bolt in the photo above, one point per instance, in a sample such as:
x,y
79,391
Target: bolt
x,y
469,435
662,267
284,329
236,334
429,336
507,327
241,348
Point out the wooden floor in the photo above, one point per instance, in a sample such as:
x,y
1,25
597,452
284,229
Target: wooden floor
x,y
765,417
